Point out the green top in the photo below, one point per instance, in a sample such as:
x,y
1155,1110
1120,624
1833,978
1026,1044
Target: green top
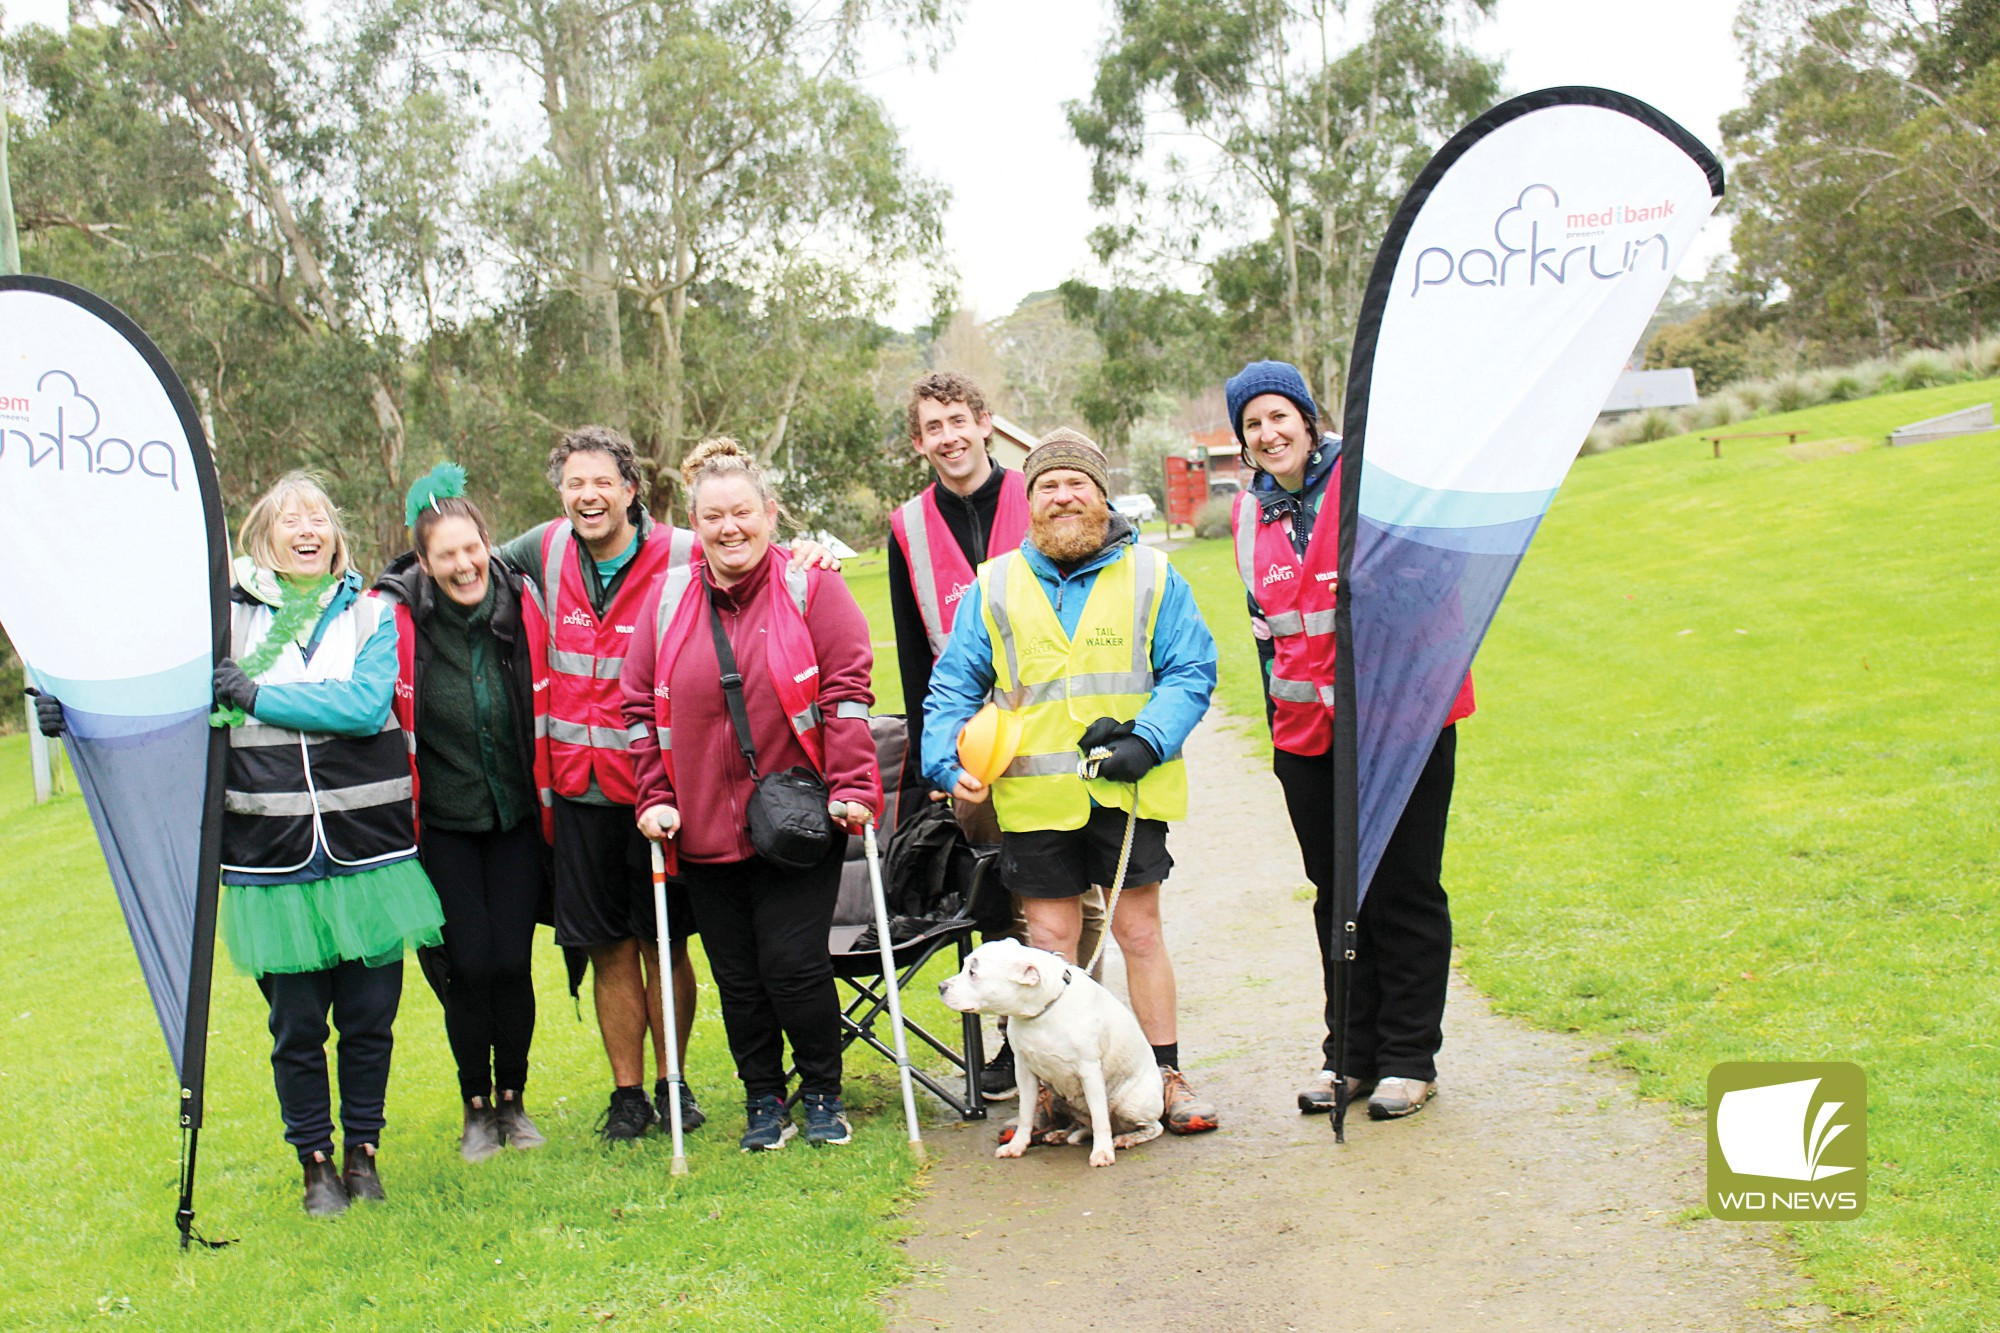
x,y
473,778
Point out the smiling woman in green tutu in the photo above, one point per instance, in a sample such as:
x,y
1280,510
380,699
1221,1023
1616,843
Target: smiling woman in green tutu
x,y
324,892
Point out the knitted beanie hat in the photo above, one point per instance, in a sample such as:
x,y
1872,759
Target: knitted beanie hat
x,y
1066,448
1262,377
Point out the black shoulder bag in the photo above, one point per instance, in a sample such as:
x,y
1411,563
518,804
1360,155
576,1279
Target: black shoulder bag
x,y
789,822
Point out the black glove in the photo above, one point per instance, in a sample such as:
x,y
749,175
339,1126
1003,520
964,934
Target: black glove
x,y
49,714
233,688
1102,732
1131,758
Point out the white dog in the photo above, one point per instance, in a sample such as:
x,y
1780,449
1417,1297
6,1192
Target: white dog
x,y
1070,1033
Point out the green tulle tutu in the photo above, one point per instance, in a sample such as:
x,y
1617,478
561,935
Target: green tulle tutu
x,y
372,917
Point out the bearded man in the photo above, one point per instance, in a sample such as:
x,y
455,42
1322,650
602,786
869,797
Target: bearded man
x,y
1097,642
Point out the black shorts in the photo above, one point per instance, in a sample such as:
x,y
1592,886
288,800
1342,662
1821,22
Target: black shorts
x,y
604,879
1064,863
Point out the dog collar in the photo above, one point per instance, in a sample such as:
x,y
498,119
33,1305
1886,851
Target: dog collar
x,y
1052,1003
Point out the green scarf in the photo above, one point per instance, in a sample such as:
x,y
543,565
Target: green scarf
x,y
296,610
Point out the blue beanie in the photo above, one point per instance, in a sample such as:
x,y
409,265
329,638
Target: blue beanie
x,y
1261,377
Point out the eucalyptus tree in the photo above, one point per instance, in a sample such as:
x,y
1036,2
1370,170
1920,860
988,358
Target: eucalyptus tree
x,y
1211,120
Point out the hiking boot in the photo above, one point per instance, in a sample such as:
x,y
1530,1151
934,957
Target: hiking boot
x,y
826,1120
325,1195
516,1130
1185,1113
628,1117
692,1116
357,1172
480,1138
996,1076
1054,1121
770,1124
1316,1097
1398,1097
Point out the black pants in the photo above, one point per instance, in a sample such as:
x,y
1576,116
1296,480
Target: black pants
x,y
765,931
1402,951
363,1000
489,885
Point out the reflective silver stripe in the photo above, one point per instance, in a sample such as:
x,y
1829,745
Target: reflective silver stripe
x,y
1014,699
672,588
1147,590
1293,691
923,579
680,548
853,710
552,564
576,733
1042,765
1319,622
1328,694
410,741
541,727
796,585
635,732
585,664
997,570
254,733
299,804
1088,683
1246,544
805,719
666,738
548,797
1285,623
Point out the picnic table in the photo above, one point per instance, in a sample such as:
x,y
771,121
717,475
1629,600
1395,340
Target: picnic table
x,y
1791,437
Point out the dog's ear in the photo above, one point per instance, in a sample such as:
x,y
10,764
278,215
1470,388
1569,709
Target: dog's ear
x,y
1028,974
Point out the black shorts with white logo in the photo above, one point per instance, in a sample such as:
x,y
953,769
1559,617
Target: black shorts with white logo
x,y
604,879
1064,863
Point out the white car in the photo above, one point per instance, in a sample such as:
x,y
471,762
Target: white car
x,y
1138,508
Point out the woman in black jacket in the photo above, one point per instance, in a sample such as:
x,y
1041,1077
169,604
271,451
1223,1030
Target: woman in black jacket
x,y
471,678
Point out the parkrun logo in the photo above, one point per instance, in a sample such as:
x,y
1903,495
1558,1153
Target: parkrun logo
x,y
1277,574
1776,1130
951,598
69,438
578,617
1536,243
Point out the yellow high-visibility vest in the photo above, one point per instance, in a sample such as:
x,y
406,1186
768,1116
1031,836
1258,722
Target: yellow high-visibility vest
x,y
1060,684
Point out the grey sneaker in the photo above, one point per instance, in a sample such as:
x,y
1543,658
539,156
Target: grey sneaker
x,y
692,1116
516,1129
826,1120
1316,1097
480,1138
770,1125
1398,1097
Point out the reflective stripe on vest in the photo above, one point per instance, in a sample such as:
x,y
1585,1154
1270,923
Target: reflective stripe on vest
x,y
788,653
586,723
289,794
939,574
1297,597
1061,683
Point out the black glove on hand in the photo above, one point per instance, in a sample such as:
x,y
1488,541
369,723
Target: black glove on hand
x,y
1102,732
233,688
1131,758
49,714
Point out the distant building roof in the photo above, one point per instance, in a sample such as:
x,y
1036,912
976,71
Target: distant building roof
x,y
1637,390
1010,443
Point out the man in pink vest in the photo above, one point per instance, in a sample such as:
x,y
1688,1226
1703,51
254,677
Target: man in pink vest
x,y
596,569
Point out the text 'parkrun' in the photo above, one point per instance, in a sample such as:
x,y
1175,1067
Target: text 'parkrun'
x,y
64,434
1553,247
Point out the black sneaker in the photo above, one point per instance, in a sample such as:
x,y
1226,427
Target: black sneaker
x,y
692,1116
628,1117
996,1077
826,1120
770,1124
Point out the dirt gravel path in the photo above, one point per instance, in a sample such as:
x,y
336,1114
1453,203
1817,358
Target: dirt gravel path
x,y
1535,1191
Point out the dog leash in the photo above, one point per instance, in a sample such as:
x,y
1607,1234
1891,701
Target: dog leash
x,y
1086,768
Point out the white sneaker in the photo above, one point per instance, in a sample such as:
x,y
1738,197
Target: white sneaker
x,y
1397,1097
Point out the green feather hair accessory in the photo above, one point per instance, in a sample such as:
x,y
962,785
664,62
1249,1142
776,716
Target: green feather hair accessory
x,y
446,481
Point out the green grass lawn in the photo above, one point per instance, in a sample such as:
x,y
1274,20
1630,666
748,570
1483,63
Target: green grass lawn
x,y
1733,793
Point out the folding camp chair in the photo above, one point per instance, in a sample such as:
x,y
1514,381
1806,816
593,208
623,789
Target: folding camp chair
x,y
857,962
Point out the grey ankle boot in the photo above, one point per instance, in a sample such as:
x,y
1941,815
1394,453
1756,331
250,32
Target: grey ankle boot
x,y
481,1138
515,1128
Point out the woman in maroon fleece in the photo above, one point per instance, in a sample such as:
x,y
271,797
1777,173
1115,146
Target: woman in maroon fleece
x,y
806,689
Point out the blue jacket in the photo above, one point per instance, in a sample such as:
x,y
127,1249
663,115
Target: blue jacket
x,y
1183,660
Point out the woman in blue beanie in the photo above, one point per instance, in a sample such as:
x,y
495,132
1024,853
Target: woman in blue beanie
x,y
1287,533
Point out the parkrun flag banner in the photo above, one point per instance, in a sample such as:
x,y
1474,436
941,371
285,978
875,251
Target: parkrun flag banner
x,y
113,589
1513,283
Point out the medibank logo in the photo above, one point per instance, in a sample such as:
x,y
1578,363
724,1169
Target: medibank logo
x,y
1787,1140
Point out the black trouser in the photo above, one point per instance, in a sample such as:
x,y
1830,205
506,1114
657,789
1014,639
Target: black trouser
x,y
765,931
1402,951
489,885
363,1000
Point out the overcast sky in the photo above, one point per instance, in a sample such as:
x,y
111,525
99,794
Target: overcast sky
x,y
988,122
